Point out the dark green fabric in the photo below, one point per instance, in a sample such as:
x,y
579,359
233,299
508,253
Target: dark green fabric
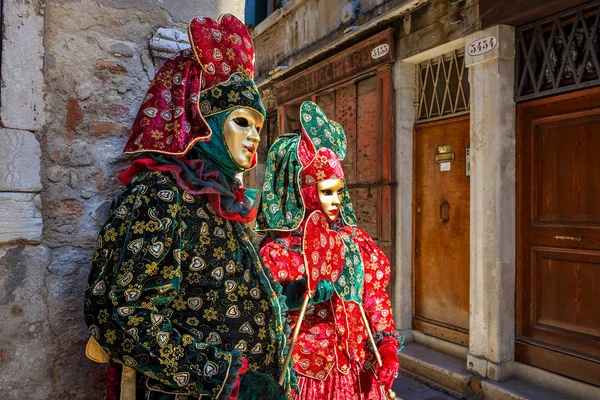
x,y
174,289
349,285
294,294
258,386
323,291
281,206
146,389
237,91
323,132
215,152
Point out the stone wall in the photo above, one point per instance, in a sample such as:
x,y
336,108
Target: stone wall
x,y
73,75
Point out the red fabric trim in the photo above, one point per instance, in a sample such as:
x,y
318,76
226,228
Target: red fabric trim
x,y
113,381
235,391
214,197
244,368
306,149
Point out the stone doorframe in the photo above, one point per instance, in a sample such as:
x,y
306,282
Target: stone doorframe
x,y
493,159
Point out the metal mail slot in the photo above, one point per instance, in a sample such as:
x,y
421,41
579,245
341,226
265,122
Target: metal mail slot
x,y
444,157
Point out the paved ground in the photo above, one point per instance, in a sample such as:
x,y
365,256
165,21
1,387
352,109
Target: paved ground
x,y
409,389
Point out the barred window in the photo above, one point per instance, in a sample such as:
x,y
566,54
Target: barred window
x,y
559,53
443,87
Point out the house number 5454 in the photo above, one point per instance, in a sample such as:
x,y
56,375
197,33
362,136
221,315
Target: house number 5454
x,y
482,46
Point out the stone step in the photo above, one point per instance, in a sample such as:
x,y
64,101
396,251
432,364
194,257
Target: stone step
x,y
516,389
438,370
410,389
449,375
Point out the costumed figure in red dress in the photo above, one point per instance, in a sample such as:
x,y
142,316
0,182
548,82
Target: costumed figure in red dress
x,y
315,249
178,298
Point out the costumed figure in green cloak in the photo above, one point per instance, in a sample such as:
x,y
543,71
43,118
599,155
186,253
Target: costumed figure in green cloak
x,y
178,299
318,253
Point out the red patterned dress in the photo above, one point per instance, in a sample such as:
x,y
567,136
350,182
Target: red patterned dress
x,y
331,357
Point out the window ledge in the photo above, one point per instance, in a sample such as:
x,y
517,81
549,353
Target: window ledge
x,y
275,16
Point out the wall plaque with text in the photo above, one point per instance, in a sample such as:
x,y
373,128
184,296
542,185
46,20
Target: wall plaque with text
x,y
372,52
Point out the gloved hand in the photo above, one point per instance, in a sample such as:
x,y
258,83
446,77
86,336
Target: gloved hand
x,y
388,349
323,292
294,294
295,291
258,386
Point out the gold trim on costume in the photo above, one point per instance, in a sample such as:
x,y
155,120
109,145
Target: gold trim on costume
x,y
95,352
169,153
128,377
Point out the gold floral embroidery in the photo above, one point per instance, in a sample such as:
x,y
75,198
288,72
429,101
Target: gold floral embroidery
x,y
110,235
216,92
173,209
152,226
151,268
156,134
168,272
210,314
110,336
219,253
135,321
242,290
233,97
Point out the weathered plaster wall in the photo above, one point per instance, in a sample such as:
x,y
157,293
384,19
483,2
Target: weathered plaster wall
x,y
300,24
89,62
433,25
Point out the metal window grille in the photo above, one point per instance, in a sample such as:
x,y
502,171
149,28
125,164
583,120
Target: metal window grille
x,y
443,87
559,53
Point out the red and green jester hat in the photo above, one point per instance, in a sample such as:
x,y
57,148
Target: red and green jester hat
x,y
178,298
310,249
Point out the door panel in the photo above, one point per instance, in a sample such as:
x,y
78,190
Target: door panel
x,y
368,156
565,284
345,112
441,237
560,175
558,234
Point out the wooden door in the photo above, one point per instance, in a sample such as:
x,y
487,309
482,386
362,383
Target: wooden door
x,y
441,215
558,234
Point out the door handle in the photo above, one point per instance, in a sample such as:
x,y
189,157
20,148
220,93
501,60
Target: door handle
x,y
444,211
576,238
